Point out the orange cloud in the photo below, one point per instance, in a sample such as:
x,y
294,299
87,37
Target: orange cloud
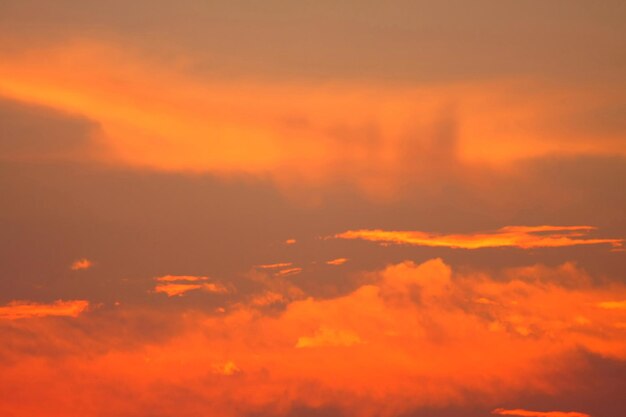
x,y
226,368
338,261
281,269
526,413
411,336
178,285
325,336
613,305
25,309
273,266
288,271
524,237
81,264
175,278
157,115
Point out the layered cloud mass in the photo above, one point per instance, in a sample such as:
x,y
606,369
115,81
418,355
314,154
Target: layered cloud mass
x,y
312,209
156,115
431,336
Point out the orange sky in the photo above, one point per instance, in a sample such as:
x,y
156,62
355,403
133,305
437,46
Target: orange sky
x,y
326,209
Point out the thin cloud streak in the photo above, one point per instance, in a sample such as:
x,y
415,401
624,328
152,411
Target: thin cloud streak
x,y
178,278
288,271
26,309
526,413
178,285
523,237
274,266
337,262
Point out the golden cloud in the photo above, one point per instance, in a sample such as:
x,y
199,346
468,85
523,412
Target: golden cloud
x,y
25,309
156,115
83,263
524,237
337,262
178,285
527,413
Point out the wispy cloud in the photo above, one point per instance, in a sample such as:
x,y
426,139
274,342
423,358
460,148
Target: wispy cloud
x,y
274,266
524,237
79,264
26,309
527,413
288,271
257,120
178,285
180,278
337,262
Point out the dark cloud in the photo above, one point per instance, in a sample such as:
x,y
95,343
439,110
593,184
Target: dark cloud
x,y
35,132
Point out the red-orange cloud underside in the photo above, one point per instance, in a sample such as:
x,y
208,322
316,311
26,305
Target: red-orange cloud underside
x,y
485,339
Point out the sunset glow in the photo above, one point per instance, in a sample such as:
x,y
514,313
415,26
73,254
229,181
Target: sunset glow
x,y
312,209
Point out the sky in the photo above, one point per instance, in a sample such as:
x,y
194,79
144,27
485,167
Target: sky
x,y
312,209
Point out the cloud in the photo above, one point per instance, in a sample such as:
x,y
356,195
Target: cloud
x,y
524,237
273,266
281,269
337,262
178,285
31,132
83,263
411,336
160,116
183,278
227,368
25,309
613,305
288,271
325,337
526,413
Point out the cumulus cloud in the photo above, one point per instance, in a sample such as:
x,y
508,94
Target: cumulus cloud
x,y
524,237
412,336
25,309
